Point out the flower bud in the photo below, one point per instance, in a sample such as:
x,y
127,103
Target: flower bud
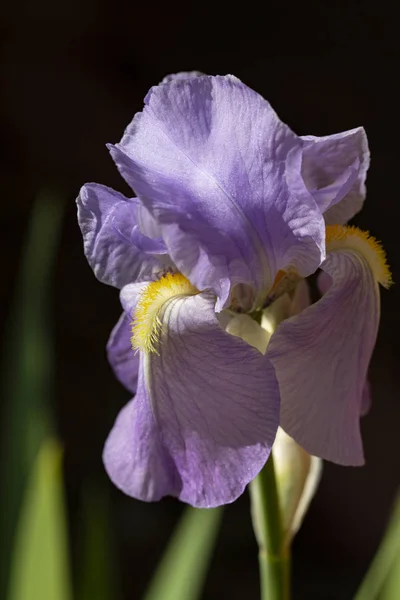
x,y
297,476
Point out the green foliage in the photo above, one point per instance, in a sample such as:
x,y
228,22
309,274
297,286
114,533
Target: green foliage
x,y
383,578
96,575
183,568
40,559
27,371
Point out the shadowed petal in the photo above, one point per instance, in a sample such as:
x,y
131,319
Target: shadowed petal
x,y
334,169
121,356
321,358
205,415
301,298
324,283
366,399
115,247
221,174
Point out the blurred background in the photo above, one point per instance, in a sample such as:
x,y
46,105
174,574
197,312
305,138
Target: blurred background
x,y
72,77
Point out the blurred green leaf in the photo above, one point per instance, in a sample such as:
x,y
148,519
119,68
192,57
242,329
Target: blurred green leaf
x,y
40,559
27,368
391,589
181,573
96,578
382,580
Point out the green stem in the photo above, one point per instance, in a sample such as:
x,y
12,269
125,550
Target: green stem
x,y
273,553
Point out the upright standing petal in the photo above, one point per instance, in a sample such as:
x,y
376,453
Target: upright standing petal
x,y
334,169
207,408
182,75
117,250
321,355
221,174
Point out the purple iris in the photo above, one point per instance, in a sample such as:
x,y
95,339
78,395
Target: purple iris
x,y
227,196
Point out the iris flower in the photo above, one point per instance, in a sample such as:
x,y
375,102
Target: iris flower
x,y
230,211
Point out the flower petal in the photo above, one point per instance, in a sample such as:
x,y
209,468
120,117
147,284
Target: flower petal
x,y
134,455
121,356
335,169
221,174
130,295
301,298
366,399
115,247
321,358
324,282
204,417
181,75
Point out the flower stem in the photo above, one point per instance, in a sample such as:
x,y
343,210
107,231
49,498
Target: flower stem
x,y
273,554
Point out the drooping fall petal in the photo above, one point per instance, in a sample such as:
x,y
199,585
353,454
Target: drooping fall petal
x,y
321,355
205,414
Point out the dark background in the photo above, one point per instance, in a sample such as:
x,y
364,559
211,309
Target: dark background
x,y
73,75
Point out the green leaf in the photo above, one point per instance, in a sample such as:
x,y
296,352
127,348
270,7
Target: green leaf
x,y
382,579
28,367
40,559
97,575
181,573
391,589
